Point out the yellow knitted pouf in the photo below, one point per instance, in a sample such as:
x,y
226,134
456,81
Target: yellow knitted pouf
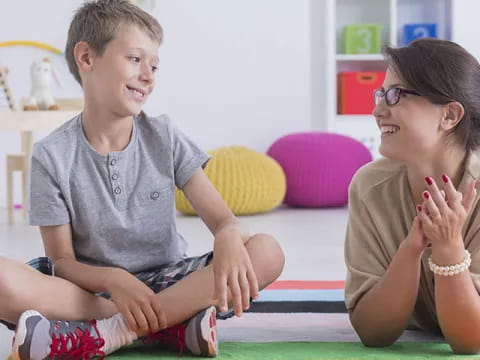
x,y
250,182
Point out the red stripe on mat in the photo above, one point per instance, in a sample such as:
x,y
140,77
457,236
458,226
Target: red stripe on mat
x,y
306,285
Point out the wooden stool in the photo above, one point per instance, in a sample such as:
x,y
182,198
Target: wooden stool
x,y
16,162
21,161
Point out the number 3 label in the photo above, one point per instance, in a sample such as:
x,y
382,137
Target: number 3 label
x,y
364,38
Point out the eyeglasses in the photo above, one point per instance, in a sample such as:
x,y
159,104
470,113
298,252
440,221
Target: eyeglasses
x,y
392,95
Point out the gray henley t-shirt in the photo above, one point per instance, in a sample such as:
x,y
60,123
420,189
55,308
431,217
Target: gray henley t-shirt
x,y
121,206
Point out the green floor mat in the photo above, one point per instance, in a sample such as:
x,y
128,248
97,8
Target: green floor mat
x,y
303,351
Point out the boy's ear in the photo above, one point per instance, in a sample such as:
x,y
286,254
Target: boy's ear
x,y
454,112
84,56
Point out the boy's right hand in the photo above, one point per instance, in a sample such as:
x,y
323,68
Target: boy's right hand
x,y
136,302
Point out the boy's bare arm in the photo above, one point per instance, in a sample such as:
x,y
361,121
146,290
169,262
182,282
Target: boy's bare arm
x,y
233,269
134,300
58,245
208,203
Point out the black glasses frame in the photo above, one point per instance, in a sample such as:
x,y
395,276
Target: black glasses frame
x,y
398,91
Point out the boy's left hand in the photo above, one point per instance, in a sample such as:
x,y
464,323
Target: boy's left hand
x,y
233,271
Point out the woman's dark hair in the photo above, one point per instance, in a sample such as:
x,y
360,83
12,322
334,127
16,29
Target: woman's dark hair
x,y
442,72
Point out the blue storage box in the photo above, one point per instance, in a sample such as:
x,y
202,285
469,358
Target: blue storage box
x,y
417,31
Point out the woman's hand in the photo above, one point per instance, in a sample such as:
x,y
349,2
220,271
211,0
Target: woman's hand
x,y
233,271
416,240
136,302
443,218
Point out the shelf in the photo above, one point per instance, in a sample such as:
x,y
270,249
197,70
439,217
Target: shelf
x,y
355,117
329,18
34,120
359,57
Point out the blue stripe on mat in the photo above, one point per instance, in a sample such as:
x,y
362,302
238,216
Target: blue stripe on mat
x,y
301,295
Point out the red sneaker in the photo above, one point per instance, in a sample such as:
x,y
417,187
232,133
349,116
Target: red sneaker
x,y
199,335
37,338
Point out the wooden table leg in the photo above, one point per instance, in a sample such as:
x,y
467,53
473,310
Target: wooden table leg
x,y
27,149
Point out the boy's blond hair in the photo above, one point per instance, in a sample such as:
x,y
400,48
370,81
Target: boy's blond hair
x,y
96,22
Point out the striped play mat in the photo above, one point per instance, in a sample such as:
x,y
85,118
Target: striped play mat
x,y
302,351
301,296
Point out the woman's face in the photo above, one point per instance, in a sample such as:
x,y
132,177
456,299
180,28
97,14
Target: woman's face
x,y
410,128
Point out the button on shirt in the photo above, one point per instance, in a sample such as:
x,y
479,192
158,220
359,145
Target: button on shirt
x,y
121,205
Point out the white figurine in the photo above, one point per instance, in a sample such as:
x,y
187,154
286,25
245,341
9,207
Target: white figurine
x,y
42,75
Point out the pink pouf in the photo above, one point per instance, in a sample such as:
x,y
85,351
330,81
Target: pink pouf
x,y
319,167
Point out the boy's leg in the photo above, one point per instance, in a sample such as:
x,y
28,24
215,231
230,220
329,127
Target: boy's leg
x,y
24,288
196,291
39,336
192,291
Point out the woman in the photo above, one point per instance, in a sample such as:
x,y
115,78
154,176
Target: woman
x,y
416,211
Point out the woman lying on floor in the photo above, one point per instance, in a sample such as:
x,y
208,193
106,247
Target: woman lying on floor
x,y
412,244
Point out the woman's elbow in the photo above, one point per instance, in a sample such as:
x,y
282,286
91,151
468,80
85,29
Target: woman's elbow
x,y
377,341
374,336
466,343
466,349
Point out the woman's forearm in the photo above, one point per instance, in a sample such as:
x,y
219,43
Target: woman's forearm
x,y
457,302
382,314
458,310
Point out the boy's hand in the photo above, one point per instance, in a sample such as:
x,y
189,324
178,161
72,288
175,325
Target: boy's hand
x,y
136,302
233,271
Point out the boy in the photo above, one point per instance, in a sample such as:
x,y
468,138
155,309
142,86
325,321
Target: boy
x,y
102,192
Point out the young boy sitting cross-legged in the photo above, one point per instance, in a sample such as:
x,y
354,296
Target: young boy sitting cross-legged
x,y
102,192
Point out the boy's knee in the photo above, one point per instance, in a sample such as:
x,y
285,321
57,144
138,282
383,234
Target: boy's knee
x,y
6,288
267,258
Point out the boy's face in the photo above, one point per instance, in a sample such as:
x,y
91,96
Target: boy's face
x,y
122,78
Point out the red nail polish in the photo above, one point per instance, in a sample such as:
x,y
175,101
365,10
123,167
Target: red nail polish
x,y
419,208
426,195
445,178
429,181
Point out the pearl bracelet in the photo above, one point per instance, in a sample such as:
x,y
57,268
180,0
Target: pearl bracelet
x,y
450,270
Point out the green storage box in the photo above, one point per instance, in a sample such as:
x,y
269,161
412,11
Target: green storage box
x,y
362,39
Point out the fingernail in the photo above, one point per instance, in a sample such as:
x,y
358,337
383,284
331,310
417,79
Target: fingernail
x,y
445,178
426,195
419,208
429,181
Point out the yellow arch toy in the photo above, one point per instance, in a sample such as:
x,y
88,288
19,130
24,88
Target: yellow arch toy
x,y
31,43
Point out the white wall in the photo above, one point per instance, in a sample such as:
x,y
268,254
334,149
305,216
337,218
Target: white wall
x,y
465,24
231,72
235,72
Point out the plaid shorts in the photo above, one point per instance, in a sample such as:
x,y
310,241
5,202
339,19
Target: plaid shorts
x,y
157,279
160,278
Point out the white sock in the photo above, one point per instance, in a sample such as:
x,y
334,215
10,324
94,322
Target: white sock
x,y
116,333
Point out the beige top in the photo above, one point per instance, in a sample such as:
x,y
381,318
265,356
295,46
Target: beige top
x,y
381,212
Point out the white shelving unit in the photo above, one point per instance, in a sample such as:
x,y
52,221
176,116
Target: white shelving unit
x,y
329,18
